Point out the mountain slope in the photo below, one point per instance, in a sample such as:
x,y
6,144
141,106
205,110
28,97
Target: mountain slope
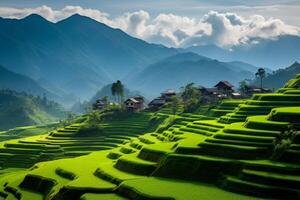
x,y
266,53
278,78
178,70
20,109
21,83
77,55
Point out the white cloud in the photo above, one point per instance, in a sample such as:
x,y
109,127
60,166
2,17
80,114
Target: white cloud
x,y
222,29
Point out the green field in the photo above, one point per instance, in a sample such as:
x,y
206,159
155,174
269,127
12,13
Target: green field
x,y
238,150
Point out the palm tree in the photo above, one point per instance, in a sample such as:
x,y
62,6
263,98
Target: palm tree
x,y
261,73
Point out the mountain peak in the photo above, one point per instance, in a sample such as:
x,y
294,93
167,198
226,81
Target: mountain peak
x,y
35,18
186,56
75,18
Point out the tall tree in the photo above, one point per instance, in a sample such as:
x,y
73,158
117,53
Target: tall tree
x,y
117,90
175,104
114,90
120,90
261,73
191,97
243,87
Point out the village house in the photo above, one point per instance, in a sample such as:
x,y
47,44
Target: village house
x,y
168,94
208,94
251,89
134,103
100,104
156,103
224,87
221,90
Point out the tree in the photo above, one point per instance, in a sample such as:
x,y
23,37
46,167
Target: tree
x,y
117,90
261,73
114,90
191,97
120,90
243,87
175,104
105,99
283,142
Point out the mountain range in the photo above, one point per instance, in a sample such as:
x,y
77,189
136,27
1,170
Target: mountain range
x,y
77,55
183,68
73,58
14,81
280,77
266,53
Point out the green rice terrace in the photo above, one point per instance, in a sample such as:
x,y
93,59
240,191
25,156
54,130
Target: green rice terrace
x,y
240,149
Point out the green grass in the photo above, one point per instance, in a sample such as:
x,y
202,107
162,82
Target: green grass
x,y
160,188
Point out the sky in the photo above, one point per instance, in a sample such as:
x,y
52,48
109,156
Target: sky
x,y
176,23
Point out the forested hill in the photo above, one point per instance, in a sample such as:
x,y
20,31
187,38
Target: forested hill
x,y
279,77
21,109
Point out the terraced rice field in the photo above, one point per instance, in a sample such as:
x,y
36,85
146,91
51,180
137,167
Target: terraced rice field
x,y
261,104
236,156
65,142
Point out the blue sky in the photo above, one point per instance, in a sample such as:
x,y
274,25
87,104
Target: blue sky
x,y
176,23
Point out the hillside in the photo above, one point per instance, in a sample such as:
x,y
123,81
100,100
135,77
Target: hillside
x,y
21,83
278,78
77,55
180,69
248,152
21,109
266,53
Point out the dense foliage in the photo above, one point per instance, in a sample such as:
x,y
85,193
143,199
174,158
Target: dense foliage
x,y
20,109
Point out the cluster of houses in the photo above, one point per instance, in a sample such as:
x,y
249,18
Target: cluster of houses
x,y
222,90
138,102
225,90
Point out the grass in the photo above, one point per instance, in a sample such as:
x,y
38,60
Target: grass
x,y
160,188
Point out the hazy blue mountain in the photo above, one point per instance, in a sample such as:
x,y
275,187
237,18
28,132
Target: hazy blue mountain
x,y
278,78
77,55
178,70
242,66
21,83
266,53
211,51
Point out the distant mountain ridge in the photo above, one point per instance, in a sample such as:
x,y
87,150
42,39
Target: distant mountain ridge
x,y
266,53
21,83
183,68
278,78
77,56
77,52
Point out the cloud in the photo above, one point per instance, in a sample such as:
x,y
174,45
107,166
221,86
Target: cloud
x,y
222,29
